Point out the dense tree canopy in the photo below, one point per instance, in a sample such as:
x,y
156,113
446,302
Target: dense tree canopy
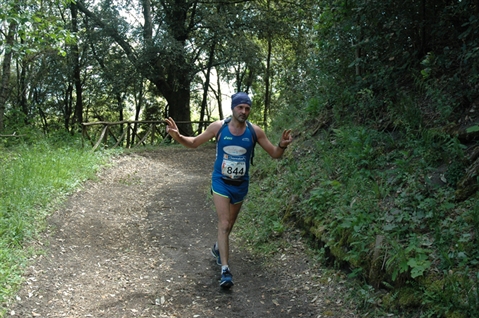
x,y
348,55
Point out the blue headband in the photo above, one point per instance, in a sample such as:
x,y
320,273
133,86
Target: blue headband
x,y
240,98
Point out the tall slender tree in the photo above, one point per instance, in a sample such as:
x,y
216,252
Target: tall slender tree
x,y
76,76
6,67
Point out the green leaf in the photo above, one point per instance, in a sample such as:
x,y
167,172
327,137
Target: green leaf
x,y
472,129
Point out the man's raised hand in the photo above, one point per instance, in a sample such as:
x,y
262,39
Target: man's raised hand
x,y
171,126
286,138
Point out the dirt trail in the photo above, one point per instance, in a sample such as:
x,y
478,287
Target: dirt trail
x,y
135,243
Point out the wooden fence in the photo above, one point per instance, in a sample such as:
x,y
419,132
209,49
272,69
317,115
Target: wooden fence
x,y
126,133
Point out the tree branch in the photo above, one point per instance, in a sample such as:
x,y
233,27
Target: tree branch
x,y
111,30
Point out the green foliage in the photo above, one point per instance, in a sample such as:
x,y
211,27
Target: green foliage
x,y
375,188
35,178
365,59
362,193
413,258
456,294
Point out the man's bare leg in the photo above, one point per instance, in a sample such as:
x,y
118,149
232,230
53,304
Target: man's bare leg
x,y
227,215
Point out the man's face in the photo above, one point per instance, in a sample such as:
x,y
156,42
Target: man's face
x,y
241,112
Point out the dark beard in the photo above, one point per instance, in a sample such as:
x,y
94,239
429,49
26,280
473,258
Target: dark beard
x,y
241,118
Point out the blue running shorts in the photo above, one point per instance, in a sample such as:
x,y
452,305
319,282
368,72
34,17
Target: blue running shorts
x,y
236,193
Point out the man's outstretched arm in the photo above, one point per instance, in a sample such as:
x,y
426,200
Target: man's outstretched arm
x,y
191,142
275,151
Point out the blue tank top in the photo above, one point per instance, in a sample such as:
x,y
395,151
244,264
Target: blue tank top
x,y
233,155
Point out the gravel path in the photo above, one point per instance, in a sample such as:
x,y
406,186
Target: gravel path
x,y
135,243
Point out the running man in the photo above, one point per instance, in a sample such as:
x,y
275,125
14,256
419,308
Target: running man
x,y
230,178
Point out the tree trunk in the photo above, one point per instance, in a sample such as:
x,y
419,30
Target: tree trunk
x,y
218,97
217,92
67,112
119,101
267,78
78,113
172,79
6,69
138,104
267,98
43,117
205,87
178,108
23,92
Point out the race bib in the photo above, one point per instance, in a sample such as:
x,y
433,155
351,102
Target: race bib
x,y
234,162
233,169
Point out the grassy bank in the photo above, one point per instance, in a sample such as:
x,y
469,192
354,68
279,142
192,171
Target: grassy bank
x,y
382,207
35,178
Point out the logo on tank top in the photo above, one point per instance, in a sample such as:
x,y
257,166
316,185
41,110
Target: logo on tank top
x,y
234,150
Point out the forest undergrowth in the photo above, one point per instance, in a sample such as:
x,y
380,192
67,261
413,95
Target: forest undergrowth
x,y
381,206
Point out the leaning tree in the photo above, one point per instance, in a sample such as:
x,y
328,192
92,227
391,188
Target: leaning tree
x,y
167,41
